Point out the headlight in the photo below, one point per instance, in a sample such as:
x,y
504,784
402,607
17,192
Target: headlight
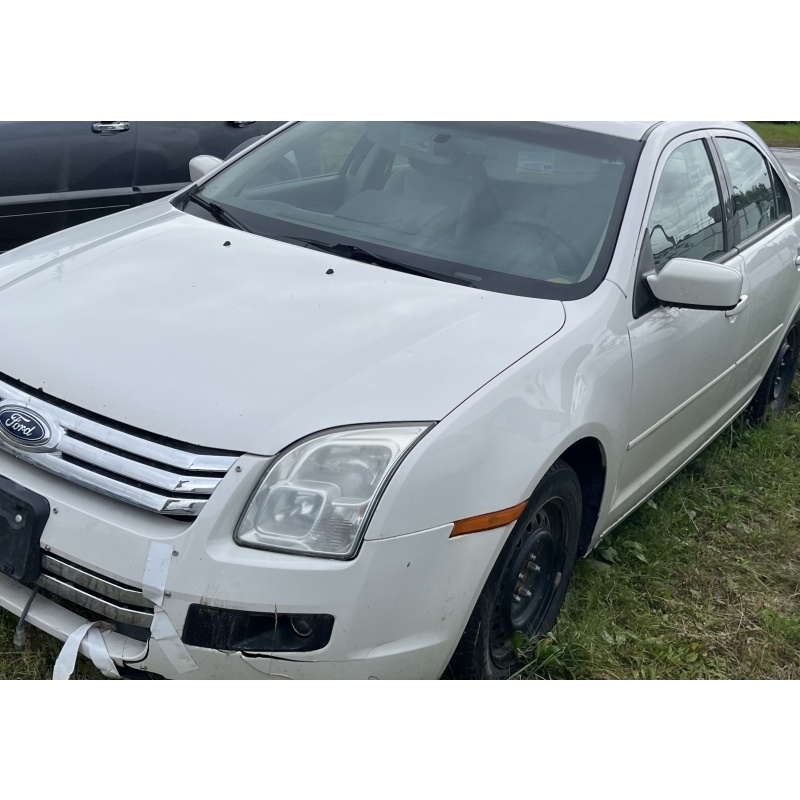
x,y
317,498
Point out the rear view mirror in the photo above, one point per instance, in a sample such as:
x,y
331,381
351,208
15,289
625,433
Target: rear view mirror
x,y
697,284
200,166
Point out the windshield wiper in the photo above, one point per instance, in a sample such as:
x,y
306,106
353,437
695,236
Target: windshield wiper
x,y
356,253
225,217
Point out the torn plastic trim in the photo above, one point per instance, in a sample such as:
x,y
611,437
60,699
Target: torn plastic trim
x,y
154,584
60,622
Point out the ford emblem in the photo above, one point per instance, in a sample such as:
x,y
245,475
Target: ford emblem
x,y
23,427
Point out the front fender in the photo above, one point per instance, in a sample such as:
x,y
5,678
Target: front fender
x,y
491,451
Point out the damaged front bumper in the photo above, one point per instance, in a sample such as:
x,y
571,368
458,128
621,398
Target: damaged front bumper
x,y
397,610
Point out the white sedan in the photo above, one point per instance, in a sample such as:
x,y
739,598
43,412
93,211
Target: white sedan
x,y
352,405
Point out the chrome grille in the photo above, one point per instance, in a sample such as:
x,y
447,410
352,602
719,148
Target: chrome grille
x,y
102,595
128,466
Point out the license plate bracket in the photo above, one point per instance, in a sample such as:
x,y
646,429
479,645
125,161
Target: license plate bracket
x,y
23,515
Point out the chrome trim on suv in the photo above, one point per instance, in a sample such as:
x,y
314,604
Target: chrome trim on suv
x,y
134,469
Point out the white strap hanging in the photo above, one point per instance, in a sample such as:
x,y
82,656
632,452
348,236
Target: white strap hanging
x,y
95,644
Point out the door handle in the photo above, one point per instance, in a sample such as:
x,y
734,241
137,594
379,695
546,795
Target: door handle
x,y
241,124
108,128
738,308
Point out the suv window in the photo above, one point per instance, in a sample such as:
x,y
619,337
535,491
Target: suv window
x,y
755,203
686,220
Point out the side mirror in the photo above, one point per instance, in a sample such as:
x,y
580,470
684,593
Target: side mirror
x,y
202,165
697,284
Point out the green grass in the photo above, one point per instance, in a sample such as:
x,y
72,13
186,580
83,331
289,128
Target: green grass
x,y
702,582
778,134
35,660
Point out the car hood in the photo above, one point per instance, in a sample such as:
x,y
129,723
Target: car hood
x,y
217,337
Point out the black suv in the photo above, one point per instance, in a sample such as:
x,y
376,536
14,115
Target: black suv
x,y
57,174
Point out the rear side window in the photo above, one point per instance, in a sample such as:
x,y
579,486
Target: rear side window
x,y
755,202
685,220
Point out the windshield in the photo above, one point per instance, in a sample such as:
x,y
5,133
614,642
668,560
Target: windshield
x,y
522,208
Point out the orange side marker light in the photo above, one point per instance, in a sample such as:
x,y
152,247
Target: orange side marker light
x,y
485,522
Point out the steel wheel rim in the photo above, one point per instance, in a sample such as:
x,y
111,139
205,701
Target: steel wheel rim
x,y
531,578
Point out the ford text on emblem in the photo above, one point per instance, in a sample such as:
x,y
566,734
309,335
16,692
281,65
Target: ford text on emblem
x,y
23,427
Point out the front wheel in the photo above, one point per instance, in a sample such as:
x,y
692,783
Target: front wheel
x,y
773,393
525,590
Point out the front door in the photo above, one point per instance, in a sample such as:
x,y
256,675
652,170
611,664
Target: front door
x,y
683,358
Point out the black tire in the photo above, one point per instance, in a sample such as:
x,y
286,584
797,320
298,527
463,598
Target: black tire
x,y
773,393
538,559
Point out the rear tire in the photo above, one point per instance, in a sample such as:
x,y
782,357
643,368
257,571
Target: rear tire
x,y
526,587
773,393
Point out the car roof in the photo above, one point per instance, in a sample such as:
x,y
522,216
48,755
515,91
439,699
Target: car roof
x,y
625,130
640,130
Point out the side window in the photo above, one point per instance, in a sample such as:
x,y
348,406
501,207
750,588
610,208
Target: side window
x,y
755,203
686,219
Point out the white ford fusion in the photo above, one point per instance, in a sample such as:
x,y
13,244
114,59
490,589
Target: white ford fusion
x,y
352,404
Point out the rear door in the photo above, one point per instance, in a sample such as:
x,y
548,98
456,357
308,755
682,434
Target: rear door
x,y
767,240
164,150
57,174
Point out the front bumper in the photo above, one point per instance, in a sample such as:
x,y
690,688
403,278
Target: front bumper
x,y
399,607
